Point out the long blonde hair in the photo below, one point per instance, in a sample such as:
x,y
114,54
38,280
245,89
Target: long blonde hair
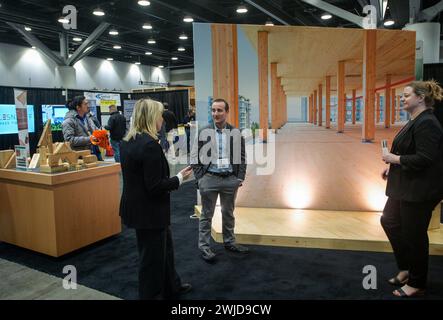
x,y
144,118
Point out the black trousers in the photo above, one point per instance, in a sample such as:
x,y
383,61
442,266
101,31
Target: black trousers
x,y
157,277
406,225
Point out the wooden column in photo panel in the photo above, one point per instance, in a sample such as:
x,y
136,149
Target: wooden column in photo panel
x,y
387,105
340,96
285,106
397,110
279,110
225,67
377,105
315,107
354,105
310,108
328,102
369,82
263,83
393,106
320,105
346,108
274,96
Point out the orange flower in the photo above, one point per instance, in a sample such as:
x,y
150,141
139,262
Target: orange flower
x,y
103,140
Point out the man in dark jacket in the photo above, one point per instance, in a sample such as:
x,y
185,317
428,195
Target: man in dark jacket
x,y
117,127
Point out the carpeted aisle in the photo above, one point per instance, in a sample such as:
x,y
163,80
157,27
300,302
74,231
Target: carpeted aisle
x,y
266,273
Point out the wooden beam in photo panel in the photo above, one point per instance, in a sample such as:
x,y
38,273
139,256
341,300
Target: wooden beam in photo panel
x,y
310,108
387,106
225,67
354,105
340,96
320,105
369,83
377,105
328,102
315,107
263,82
285,106
393,106
275,90
281,111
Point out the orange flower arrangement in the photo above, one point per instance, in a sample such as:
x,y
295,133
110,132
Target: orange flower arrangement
x,y
102,137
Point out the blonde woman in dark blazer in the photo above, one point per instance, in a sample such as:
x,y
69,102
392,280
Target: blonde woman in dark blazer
x,y
414,186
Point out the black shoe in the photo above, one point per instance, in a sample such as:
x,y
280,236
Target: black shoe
x,y
236,248
184,288
208,255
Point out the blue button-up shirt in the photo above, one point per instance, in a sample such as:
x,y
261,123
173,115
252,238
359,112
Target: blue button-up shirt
x,y
222,140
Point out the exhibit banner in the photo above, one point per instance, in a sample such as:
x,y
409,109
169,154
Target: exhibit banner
x,y
21,109
128,108
98,97
105,104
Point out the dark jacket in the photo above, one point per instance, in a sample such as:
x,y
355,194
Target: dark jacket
x,y
170,120
117,126
419,177
239,169
145,201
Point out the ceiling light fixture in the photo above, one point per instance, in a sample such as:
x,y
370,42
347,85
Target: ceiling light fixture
x,y
269,23
117,46
147,26
242,9
388,23
188,19
183,37
28,28
181,49
113,32
144,3
151,41
137,63
110,59
98,12
77,39
33,47
326,16
148,53
174,58
161,67
63,20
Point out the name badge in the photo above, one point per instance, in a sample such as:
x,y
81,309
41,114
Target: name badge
x,y
223,163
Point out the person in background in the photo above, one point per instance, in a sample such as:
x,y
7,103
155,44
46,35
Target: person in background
x,y
188,122
77,127
170,126
94,119
117,127
145,202
414,186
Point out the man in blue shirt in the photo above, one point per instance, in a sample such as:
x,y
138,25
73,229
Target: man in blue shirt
x,y
221,173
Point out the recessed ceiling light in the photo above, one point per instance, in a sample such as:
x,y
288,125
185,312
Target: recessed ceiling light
x,y
144,3
242,9
326,16
161,67
109,59
113,32
137,63
174,58
151,41
188,19
117,46
181,49
183,37
148,53
389,22
28,28
63,20
77,39
269,23
98,12
33,47
147,26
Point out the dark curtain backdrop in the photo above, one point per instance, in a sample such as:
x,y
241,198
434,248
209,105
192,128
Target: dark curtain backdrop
x,y
435,71
177,100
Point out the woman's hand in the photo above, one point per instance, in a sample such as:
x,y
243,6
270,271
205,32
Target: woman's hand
x,y
384,174
186,173
391,158
93,138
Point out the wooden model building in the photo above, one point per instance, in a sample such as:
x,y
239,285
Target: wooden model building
x,y
7,159
59,157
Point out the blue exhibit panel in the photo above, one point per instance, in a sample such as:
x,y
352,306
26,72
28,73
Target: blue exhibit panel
x,y
8,119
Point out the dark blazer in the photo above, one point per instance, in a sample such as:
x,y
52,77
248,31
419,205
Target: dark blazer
x,y
145,202
419,177
239,168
